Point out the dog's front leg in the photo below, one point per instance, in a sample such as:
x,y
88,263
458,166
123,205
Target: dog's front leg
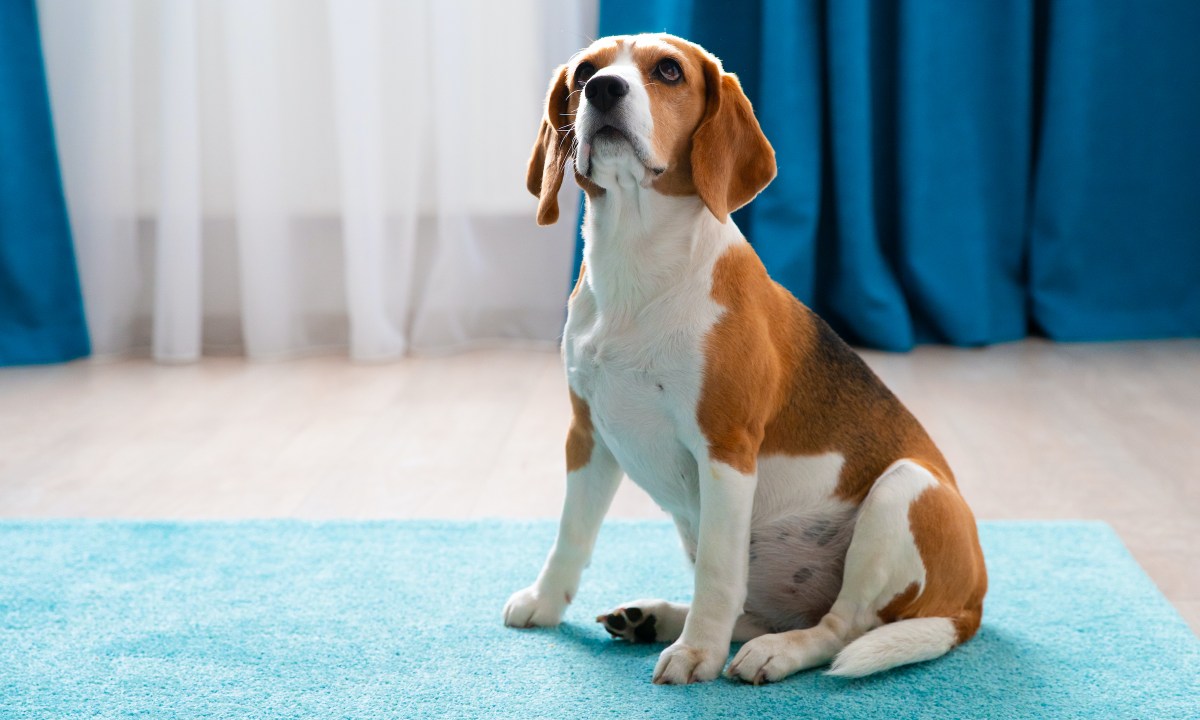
x,y
722,560
590,491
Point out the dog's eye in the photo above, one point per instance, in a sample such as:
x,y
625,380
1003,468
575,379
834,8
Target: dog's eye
x,y
669,70
583,73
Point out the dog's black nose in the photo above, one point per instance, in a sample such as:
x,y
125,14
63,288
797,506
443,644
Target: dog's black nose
x,y
604,91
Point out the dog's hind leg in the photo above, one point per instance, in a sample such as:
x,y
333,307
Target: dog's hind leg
x,y
662,621
885,580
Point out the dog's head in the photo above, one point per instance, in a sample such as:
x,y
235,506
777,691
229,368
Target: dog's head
x,y
660,105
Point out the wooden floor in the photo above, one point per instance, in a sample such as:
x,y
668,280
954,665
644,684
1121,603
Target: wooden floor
x,y
1033,430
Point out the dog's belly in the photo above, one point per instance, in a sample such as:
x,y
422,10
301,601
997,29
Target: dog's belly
x,y
799,535
796,569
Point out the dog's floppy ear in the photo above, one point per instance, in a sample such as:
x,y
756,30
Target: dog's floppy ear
x,y
731,158
552,149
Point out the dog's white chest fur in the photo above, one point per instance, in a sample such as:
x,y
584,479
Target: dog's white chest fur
x,y
636,414
633,341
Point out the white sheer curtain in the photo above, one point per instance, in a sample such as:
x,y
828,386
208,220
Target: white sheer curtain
x,y
279,177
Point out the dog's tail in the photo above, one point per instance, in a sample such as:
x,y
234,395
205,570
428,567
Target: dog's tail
x,y
903,642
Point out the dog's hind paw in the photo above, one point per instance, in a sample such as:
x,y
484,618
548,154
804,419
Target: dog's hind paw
x,y
644,621
630,624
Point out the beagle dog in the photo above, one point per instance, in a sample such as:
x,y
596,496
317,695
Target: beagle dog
x,y
823,523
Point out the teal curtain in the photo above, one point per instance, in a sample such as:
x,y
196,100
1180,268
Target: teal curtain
x,y
41,310
969,172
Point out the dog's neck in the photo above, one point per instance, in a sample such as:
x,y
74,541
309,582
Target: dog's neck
x,y
639,243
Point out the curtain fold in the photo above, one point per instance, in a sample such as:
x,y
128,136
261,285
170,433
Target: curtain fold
x,y
283,177
41,312
178,262
1115,249
969,173
357,64
259,202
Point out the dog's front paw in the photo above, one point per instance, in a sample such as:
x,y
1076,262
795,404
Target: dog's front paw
x,y
681,664
532,608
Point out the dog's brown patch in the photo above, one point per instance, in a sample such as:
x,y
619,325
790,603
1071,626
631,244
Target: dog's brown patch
x,y
903,599
580,441
706,130
955,574
551,150
676,109
779,381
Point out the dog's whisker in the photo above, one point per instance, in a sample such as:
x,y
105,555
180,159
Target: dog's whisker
x,y
565,135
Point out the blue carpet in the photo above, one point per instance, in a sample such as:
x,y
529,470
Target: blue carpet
x,y
402,619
